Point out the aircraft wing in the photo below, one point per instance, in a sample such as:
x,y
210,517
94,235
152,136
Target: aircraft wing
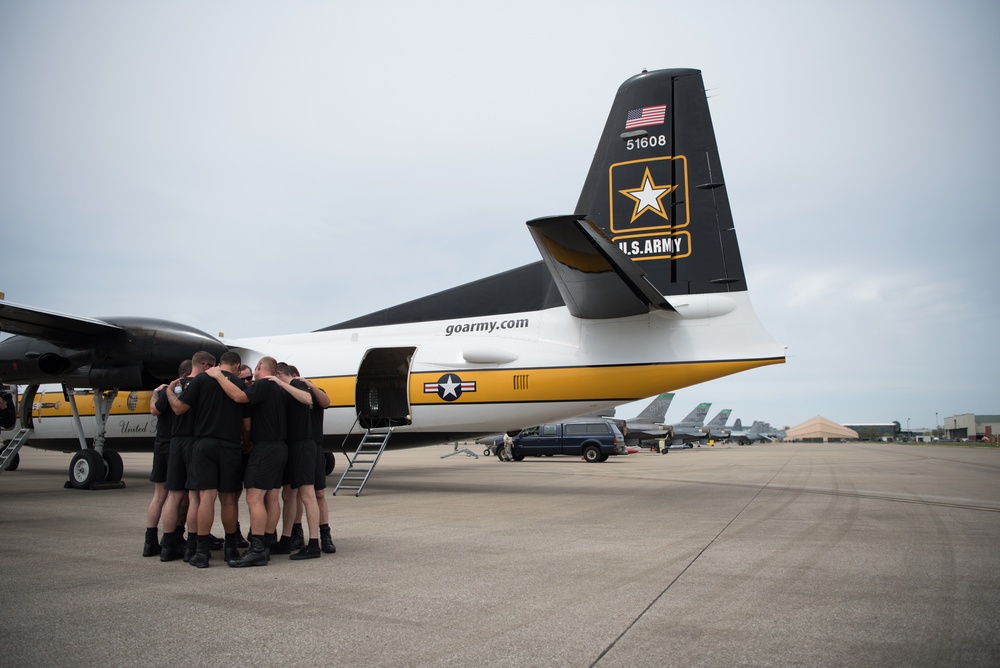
x,y
595,279
133,353
58,328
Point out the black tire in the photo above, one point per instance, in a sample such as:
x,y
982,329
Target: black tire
x,y
518,458
591,454
331,463
86,468
604,458
115,466
487,452
15,462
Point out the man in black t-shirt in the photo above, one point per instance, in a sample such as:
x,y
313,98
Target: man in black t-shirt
x,y
217,456
160,407
178,461
321,401
299,475
268,430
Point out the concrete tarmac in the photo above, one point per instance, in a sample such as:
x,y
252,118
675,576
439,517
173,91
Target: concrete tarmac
x,y
768,555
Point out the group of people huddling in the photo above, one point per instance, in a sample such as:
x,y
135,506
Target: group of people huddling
x,y
223,428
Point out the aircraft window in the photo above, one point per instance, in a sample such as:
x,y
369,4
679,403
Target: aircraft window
x,y
549,430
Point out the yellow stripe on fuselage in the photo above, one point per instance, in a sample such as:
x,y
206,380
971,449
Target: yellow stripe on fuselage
x,y
55,404
598,383
492,386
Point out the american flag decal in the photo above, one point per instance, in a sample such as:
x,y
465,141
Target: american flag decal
x,y
638,118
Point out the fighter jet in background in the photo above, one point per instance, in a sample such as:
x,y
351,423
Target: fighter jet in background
x,y
716,427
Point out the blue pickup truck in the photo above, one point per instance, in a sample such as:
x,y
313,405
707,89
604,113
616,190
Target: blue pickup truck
x,y
594,440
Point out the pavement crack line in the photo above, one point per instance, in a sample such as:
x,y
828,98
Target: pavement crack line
x,y
691,563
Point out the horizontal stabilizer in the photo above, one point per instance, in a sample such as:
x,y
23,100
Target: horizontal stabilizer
x,y
594,278
55,327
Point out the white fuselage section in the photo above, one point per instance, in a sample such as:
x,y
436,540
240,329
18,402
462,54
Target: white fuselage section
x,y
508,371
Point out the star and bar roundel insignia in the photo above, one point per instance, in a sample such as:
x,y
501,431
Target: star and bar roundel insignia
x,y
449,387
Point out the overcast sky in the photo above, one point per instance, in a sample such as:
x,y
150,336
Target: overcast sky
x,y
262,168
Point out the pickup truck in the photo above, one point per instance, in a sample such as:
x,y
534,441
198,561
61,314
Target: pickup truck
x,y
594,440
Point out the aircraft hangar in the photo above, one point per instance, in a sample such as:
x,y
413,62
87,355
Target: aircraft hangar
x,y
820,430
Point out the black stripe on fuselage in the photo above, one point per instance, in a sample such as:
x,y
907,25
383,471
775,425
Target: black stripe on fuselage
x,y
527,288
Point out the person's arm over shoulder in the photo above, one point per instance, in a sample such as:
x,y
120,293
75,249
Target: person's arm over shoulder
x,y
320,397
229,387
302,396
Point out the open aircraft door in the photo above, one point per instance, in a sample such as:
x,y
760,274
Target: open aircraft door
x,y
382,392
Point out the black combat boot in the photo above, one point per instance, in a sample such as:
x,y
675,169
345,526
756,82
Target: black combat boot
x,y
203,552
169,549
282,546
269,540
151,548
192,546
231,549
240,540
310,551
324,539
298,537
255,556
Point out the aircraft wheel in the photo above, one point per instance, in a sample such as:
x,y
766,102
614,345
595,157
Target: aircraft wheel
x,y
14,462
115,466
86,468
331,463
592,454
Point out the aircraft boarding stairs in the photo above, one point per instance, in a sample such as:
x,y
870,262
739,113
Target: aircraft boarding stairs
x,y
13,445
363,461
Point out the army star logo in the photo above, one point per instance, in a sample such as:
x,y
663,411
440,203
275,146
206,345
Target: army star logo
x,y
649,197
449,387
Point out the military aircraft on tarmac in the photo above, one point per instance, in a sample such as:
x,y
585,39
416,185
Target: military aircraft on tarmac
x,y
641,290
691,428
716,427
648,425
755,434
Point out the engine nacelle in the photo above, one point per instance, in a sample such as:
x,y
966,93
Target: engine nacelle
x,y
143,354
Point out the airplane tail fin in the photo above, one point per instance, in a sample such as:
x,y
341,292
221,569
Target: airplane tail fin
x,y
720,420
695,418
656,188
657,408
652,224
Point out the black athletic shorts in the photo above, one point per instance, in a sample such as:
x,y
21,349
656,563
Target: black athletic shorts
x,y
216,464
177,463
300,469
266,467
159,472
320,479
